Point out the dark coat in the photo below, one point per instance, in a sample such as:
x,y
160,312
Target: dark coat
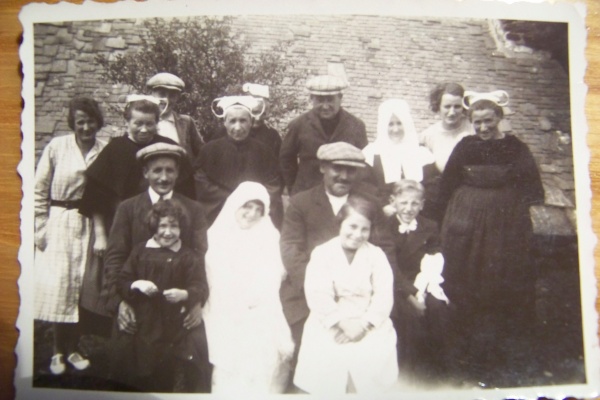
x,y
410,249
130,229
298,154
189,138
264,133
225,163
116,175
422,342
308,222
160,334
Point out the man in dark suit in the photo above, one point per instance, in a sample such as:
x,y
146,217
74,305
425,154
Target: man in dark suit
x,y
160,168
310,220
327,122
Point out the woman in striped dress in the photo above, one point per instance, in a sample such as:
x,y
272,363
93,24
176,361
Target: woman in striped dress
x,y
65,240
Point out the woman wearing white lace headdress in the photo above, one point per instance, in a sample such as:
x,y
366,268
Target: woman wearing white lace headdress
x,y
249,340
395,154
226,162
490,181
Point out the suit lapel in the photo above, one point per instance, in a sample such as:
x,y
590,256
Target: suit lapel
x,y
413,240
315,124
342,126
180,128
142,207
322,202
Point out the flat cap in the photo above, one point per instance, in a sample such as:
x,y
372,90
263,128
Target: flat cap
x,y
324,85
167,81
159,149
341,153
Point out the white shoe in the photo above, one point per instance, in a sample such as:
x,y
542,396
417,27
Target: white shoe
x,y
78,362
57,365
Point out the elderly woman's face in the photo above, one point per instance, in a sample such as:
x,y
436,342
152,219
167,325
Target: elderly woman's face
x,y
451,110
142,126
354,231
85,127
395,129
249,214
485,122
238,123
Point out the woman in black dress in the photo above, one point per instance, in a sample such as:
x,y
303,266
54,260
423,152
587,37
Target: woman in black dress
x,y
489,183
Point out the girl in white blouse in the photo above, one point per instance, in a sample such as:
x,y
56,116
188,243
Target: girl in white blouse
x,y
348,344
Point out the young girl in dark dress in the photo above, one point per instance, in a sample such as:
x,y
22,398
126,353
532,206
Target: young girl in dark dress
x,y
160,279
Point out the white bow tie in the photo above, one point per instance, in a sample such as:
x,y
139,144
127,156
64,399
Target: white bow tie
x,y
406,228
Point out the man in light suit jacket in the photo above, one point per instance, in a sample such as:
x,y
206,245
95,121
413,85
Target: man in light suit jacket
x,y
310,220
327,122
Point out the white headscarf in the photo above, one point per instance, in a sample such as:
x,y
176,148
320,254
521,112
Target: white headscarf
x,y
399,160
244,272
244,251
245,192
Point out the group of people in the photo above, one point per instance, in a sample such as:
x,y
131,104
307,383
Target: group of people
x,y
406,259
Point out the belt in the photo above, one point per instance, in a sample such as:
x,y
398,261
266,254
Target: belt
x,y
69,205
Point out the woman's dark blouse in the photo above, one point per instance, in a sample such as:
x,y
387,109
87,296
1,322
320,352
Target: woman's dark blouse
x,y
225,163
517,168
116,175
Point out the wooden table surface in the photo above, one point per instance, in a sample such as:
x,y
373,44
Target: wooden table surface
x,y
10,183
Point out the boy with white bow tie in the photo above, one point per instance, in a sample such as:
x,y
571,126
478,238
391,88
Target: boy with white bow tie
x,y
420,305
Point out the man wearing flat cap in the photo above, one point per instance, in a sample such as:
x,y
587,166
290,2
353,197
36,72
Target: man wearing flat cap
x,y
310,220
160,163
327,122
177,127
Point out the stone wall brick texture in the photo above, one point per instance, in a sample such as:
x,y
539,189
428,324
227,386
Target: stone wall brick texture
x,y
383,57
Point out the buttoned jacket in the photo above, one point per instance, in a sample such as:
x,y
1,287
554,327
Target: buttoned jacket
x,y
308,222
298,154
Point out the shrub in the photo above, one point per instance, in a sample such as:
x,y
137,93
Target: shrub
x,y
211,60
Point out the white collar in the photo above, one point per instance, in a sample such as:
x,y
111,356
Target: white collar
x,y
406,228
153,244
154,197
336,202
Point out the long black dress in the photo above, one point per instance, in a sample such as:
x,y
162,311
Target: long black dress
x,y
146,360
488,186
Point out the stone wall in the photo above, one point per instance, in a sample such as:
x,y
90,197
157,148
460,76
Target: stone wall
x,y
382,57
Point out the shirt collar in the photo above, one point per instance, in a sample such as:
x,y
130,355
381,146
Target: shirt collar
x,y
153,244
154,197
336,202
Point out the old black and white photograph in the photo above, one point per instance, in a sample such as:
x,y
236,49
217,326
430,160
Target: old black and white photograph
x,y
245,200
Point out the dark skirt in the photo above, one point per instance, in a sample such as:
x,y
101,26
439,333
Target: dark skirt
x,y
490,280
